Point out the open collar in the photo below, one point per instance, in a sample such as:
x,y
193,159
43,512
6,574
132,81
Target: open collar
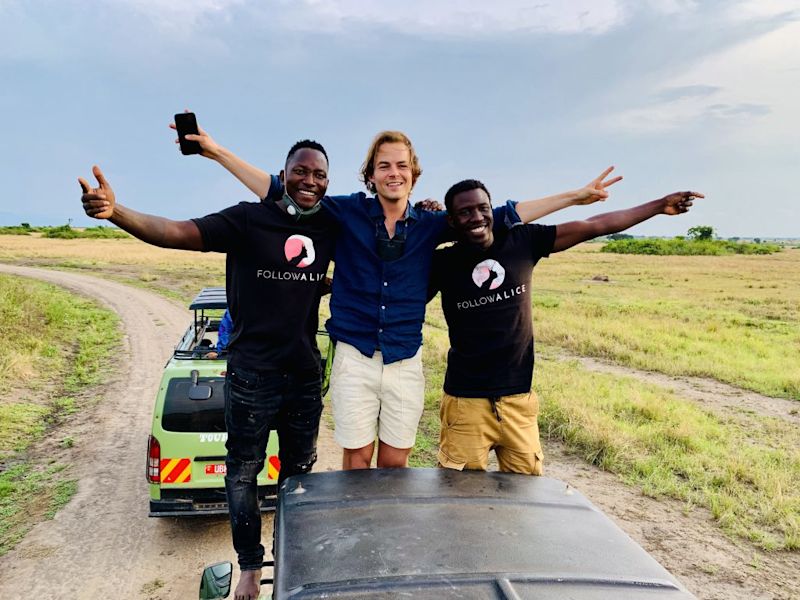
x,y
375,210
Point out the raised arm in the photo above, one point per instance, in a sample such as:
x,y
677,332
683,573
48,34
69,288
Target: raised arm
x,y
594,191
575,232
100,203
254,179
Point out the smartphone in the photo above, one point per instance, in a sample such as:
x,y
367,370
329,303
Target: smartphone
x,y
187,123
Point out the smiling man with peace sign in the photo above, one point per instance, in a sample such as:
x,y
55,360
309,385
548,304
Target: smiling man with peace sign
x,y
485,280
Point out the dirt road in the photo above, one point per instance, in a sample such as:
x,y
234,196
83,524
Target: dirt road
x,y
103,545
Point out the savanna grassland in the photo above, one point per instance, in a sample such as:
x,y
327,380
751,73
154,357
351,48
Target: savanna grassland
x,y
734,319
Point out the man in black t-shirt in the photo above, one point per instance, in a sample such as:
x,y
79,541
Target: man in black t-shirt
x,y
277,258
485,280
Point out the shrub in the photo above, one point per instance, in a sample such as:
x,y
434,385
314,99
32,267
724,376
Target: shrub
x,y
683,247
62,232
103,233
99,232
15,230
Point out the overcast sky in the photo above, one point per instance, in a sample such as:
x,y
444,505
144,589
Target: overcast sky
x,y
530,97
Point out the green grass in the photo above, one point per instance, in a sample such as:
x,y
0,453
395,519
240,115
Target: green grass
x,y
734,319
19,423
434,359
677,337
63,491
27,489
57,338
61,345
745,471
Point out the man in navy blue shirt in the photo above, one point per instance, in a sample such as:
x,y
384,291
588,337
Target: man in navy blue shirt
x,y
383,258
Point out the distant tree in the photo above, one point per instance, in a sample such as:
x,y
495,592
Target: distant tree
x,y
25,225
701,232
734,239
757,240
620,236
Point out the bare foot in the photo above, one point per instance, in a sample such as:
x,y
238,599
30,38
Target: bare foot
x,y
249,586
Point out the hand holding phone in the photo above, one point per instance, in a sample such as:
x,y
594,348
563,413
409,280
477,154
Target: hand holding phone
x,y
186,123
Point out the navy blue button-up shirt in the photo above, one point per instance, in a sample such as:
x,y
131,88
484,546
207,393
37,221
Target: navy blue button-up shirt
x,y
378,304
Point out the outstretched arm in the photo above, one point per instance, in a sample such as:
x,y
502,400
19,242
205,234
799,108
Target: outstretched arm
x,y
594,191
254,179
100,203
575,232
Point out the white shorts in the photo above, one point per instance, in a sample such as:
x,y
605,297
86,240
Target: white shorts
x,y
370,398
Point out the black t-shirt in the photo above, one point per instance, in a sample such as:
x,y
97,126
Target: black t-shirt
x,y
487,304
274,270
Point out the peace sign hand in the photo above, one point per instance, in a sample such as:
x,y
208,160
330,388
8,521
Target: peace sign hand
x,y
595,190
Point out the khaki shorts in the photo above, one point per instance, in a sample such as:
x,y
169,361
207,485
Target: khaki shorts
x,y
369,398
471,428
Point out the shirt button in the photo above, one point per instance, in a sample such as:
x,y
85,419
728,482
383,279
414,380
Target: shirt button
x,y
380,330
385,283
383,307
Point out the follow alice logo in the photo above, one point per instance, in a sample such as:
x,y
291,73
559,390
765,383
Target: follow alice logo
x,y
299,251
488,274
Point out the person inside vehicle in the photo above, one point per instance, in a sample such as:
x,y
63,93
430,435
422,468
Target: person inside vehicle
x,y
487,401
223,336
205,349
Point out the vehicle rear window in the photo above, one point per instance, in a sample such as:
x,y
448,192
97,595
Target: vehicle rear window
x,y
183,414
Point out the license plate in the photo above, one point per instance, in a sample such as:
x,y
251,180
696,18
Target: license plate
x,y
215,469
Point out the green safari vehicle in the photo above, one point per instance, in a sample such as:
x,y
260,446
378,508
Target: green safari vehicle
x,y
186,447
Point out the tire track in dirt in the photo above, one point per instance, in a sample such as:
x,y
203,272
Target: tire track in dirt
x,y
714,395
102,544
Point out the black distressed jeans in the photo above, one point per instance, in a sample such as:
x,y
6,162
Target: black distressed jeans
x,y
255,403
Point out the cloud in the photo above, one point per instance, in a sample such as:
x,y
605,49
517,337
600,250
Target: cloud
x,y
443,17
180,17
189,10
413,17
34,31
747,88
785,10
738,110
460,19
672,7
684,114
686,91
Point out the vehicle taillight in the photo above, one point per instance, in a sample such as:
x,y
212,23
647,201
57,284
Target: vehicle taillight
x,y
153,460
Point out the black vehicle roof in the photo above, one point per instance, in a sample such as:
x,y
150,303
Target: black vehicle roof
x,y
210,297
439,533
